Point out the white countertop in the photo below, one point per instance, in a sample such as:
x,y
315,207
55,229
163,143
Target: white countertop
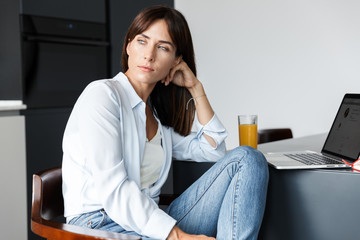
x,y
10,105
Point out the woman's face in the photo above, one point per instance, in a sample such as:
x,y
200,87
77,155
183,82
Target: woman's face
x,y
151,54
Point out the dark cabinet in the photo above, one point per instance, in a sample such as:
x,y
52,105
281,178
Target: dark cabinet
x,y
10,55
44,132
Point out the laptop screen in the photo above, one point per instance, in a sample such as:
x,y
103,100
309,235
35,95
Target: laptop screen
x,y
344,137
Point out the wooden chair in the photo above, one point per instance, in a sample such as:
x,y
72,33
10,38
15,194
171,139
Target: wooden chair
x,y
48,204
274,134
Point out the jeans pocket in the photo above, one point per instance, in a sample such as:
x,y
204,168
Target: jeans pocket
x,y
93,220
97,220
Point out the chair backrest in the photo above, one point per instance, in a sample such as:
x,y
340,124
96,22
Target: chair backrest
x,y
274,134
48,203
52,199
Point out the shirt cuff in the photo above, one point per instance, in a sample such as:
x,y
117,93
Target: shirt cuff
x,y
214,128
159,225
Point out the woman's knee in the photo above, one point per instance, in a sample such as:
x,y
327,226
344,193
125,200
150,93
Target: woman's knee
x,y
251,159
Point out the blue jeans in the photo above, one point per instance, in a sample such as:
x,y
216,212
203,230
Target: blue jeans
x,y
227,202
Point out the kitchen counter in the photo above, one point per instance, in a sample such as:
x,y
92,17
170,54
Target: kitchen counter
x,y
11,105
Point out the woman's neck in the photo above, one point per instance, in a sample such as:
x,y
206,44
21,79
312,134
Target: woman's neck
x,y
143,90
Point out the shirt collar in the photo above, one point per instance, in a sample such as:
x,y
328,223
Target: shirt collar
x,y
130,91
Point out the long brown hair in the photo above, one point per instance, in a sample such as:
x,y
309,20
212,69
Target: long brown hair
x,y
168,103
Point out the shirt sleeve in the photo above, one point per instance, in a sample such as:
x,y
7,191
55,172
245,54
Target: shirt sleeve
x,y
99,122
196,147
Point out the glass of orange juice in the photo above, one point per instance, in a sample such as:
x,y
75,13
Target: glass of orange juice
x,y
248,130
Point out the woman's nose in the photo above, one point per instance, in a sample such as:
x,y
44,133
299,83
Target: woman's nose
x,y
149,55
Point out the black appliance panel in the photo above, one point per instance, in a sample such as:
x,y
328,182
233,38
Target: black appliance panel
x,y
60,57
85,10
58,27
57,73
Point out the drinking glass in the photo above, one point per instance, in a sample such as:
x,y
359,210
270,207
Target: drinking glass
x,y
248,130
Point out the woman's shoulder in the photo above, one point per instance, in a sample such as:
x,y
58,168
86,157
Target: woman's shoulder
x,y
96,89
108,86
101,92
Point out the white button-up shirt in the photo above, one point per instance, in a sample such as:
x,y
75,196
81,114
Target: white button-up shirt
x,y
103,147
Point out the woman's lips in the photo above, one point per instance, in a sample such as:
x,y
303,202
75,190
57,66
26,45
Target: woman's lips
x,y
146,69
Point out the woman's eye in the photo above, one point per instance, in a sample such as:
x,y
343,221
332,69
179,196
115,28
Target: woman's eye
x,y
141,41
164,48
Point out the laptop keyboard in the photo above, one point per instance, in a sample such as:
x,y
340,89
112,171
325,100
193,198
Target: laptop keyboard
x,y
313,159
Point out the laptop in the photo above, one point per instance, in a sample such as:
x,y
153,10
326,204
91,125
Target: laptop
x,y
342,142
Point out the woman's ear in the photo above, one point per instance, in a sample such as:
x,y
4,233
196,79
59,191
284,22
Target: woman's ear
x,y
127,47
177,61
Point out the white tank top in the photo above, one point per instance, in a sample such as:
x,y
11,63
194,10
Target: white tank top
x,y
154,158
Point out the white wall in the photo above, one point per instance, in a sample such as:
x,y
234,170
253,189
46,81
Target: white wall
x,y
290,62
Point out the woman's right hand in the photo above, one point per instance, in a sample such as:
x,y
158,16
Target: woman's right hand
x,y
177,234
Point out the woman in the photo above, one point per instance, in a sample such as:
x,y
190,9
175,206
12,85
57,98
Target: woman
x,y
123,132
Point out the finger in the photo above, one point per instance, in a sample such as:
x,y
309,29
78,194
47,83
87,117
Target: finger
x,y
171,74
167,80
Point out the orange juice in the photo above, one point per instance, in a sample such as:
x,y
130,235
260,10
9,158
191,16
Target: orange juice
x,y
248,135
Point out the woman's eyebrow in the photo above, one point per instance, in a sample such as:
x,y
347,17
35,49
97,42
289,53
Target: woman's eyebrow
x,y
162,41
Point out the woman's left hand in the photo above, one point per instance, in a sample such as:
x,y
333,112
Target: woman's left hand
x,y
181,75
